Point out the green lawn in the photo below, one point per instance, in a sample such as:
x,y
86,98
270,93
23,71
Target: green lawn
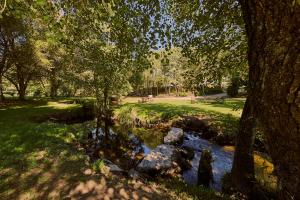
x,y
41,161
223,115
30,153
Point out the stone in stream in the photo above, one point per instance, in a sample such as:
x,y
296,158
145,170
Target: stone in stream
x,y
205,173
175,135
164,159
187,152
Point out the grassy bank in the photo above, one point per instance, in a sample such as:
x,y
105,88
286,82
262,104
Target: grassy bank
x,y
41,160
223,116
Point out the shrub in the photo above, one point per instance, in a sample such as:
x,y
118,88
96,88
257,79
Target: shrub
x,y
182,94
127,116
37,93
210,91
98,166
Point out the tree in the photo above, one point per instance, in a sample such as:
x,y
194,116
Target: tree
x,y
24,66
109,40
274,78
10,30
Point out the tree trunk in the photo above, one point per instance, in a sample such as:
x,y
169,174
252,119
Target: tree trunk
x,y
53,84
106,113
242,174
22,91
1,89
53,90
273,30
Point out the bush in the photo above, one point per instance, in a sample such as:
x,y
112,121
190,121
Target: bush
x,y
210,91
98,166
127,116
37,93
182,94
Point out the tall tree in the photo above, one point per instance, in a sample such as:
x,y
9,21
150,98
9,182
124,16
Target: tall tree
x,y
10,29
24,66
273,30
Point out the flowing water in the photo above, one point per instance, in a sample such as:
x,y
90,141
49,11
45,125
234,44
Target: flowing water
x,y
145,140
222,160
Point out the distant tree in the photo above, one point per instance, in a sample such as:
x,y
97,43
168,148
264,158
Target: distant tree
x,y
24,66
10,29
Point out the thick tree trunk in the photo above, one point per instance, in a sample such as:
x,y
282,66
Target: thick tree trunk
x,y
242,174
273,30
22,92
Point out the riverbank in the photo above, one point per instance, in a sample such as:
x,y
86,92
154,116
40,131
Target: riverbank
x,y
42,160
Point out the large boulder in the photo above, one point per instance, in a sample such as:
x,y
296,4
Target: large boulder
x,y
161,160
175,135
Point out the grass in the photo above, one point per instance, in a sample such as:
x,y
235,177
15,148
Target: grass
x,y
196,192
41,161
29,149
223,115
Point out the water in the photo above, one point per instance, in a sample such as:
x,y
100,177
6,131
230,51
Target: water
x,y
143,144
222,160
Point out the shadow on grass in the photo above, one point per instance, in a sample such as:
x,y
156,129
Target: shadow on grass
x,y
225,123
38,161
233,104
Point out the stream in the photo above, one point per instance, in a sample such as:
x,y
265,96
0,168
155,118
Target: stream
x,y
222,160
146,140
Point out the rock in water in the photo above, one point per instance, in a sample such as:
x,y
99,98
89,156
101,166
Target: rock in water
x,y
163,159
175,135
205,175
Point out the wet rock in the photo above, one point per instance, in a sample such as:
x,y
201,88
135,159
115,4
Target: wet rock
x,y
187,152
164,159
175,135
205,173
183,163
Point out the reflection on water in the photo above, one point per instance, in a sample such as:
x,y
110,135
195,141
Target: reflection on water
x,y
222,160
135,144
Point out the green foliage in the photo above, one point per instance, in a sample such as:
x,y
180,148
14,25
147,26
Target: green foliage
x,y
127,116
98,166
233,88
182,94
209,91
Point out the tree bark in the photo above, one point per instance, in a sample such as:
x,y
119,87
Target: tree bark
x,y
1,89
273,30
242,174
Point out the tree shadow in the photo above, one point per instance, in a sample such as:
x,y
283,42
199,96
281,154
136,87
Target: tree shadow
x,y
38,162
